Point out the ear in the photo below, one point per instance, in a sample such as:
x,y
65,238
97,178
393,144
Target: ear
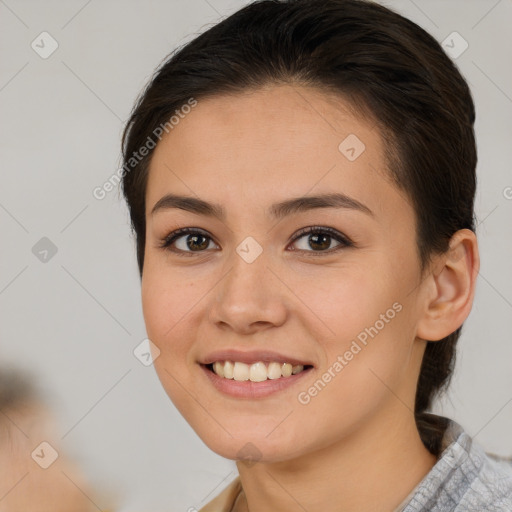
x,y
450,287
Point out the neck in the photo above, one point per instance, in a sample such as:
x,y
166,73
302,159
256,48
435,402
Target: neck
x,y
373,468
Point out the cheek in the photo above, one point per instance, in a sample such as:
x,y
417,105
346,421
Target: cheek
x,y
372,331
165,303
167,296
347,302
359,377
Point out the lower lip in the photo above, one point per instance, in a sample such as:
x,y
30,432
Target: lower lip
x,y
249,389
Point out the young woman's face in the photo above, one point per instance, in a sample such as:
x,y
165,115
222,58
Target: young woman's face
x,y
343,301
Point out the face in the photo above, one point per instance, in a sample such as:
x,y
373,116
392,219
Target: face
x,y
332,288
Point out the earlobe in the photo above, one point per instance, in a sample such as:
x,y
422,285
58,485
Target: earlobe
x,y
452,283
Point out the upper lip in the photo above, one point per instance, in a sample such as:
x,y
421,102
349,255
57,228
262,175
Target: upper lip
x,y
252,356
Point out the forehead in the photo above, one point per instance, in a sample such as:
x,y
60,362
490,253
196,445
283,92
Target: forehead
x,y
269,144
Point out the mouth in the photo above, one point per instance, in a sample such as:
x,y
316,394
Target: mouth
x,y
256,372
258,380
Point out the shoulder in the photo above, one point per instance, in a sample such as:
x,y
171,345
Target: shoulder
x,y
491,487
464,479
226,499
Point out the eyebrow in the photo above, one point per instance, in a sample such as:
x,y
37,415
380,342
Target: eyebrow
x,y
277,210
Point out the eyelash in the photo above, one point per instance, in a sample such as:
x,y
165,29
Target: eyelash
x,y
332,233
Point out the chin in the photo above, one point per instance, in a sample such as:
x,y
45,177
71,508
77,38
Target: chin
x,y
251,451
244,445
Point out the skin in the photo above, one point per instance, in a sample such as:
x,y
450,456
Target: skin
x,y
355,445
24,485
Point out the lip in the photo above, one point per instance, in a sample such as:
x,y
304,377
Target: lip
x,y
251,390
253,356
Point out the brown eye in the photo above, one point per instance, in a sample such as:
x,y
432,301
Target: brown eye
x,y
319,240
186,240
194,242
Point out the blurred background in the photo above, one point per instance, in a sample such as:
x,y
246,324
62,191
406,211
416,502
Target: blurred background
x,y
72,373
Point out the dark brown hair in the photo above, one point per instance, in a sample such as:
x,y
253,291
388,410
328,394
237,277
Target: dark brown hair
x,y
389,69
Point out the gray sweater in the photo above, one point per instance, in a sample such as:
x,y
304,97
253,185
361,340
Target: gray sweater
x,y
464,479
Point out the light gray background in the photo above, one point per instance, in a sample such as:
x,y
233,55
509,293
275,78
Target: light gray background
x,y
74,321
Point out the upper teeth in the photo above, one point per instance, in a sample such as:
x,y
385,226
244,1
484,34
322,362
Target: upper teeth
x,y
256,372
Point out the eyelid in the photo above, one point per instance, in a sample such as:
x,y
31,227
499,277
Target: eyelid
x,y
166,242
343,240
334,233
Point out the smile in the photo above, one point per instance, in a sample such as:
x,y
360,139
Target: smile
x,y
256,372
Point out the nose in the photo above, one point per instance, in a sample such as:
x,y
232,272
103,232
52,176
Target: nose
x,y
249,297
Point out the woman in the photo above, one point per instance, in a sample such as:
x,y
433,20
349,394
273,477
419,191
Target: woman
x,y
301,180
